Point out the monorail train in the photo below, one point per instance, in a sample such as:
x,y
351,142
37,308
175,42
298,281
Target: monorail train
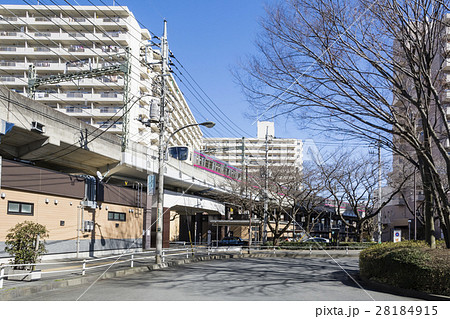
x,y
206,162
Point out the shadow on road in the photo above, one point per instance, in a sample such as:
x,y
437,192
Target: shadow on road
x,y
252,279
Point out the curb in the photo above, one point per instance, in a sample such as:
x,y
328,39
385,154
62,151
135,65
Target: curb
x,y
366,283
7,294
17,292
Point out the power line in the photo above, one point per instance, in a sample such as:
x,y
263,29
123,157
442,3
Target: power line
x,y
219,117
216,106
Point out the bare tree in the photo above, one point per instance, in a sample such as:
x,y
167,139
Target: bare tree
x,y
284,185
289,192
352,182
311,196
374,70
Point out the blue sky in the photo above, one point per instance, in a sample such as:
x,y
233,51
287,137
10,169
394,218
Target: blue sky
x,y
208,38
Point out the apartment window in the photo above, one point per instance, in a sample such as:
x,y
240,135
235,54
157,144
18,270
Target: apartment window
x,y
111,19
19,208
41,49
7,48
7,78
121,217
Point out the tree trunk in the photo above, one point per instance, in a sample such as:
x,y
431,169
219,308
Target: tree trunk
x,y
360,235
429,220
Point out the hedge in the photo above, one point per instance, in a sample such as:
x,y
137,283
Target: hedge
x,y
351,245
409,264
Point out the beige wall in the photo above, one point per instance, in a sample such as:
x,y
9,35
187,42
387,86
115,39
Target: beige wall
x,y
67,210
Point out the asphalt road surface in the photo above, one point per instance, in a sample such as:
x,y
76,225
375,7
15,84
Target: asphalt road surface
x,y
247,279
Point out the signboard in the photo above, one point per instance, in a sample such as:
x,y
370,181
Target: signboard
x,y
397,236
151,184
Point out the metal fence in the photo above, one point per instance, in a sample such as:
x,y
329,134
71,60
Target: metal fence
x,y
182,250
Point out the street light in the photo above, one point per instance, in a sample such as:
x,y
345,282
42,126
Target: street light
x,y
160,200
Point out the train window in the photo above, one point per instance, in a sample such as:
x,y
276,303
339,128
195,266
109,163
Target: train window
x,y
179,153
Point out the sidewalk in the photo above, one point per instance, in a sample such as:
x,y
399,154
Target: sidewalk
x,y
68,272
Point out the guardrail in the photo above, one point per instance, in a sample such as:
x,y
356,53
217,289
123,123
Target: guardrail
x,y
79,266
186,251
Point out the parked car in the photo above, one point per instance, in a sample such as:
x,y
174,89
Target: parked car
x,y
316,240
232,241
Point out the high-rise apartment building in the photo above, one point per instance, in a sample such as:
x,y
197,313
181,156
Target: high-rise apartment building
x,y
425,119
67,39
281,152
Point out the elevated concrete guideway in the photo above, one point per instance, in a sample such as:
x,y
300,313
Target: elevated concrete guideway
x,y
49,138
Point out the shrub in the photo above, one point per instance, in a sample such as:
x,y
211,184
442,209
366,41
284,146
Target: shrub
x,y
409,264
21,243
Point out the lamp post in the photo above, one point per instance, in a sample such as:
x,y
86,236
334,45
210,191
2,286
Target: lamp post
x,y
160,200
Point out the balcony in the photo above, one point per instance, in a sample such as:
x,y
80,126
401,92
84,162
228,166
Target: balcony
x,y
107,97
10,80
76,48
6,19
114,128
9,48
88,82
83,96
42,34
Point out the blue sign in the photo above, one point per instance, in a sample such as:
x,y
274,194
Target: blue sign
x,y
151,184
397,236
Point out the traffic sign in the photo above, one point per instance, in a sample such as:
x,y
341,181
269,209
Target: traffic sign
x,y
397,236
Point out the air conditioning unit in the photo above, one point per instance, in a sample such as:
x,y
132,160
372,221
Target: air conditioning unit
x,y
37,127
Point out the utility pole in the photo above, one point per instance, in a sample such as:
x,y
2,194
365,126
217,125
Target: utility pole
x,y
126,69
379,192
245,169
414,205
162,130
243,166
266,171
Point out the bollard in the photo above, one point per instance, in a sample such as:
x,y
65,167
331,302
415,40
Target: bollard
x,y
2,273
346,250
187,253
83,272
163,256
310,249
132,261
274,250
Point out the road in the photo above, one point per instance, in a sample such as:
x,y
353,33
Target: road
x,y
281,279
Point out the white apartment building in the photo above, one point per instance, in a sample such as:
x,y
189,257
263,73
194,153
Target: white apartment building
x,y
66,39
281,152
